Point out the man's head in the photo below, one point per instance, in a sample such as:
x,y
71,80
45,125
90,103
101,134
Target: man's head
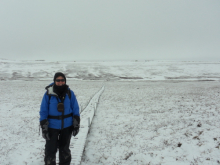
x,y
59,79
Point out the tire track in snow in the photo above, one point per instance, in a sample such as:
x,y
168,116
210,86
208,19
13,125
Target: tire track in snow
x,y
77,144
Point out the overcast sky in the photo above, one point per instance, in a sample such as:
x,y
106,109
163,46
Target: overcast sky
x,y
110,29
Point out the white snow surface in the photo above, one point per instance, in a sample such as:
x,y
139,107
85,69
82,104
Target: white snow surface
x,y
151,112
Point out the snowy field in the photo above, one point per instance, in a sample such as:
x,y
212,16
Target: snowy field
x,y
156,123
149,113
20,142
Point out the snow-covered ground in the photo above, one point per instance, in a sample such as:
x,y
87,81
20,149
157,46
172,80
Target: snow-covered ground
x,y
156,123
20,142
149,113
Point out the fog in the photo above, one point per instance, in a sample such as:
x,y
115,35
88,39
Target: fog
x,y
110,30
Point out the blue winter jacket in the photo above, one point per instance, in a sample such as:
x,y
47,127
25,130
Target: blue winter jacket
x,y
49,107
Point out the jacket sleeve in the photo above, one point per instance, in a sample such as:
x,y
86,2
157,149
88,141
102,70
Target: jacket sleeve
x,y
74,104
44,108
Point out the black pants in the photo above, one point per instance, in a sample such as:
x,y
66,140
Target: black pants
x,y
59,139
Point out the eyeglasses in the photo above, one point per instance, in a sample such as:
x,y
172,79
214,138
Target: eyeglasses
x,y
58,80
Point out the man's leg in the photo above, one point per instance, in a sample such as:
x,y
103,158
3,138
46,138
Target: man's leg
x,y
64,144
51,147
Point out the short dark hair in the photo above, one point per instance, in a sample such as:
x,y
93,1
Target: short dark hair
x,y
59,74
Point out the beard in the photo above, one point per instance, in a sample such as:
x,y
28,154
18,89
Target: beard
x,y
60,90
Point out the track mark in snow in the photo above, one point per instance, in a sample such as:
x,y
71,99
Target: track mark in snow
x,y
77,144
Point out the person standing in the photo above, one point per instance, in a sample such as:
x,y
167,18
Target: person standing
x,y
59,120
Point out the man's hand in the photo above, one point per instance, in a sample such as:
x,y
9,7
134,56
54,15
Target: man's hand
x,y
44,126
76,125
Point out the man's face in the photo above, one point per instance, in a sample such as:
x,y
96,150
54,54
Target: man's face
x,y
60,81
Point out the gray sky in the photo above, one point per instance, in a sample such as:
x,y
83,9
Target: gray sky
x,y
110,30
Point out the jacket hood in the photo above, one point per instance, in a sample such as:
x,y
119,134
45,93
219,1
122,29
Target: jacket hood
x,y
49,89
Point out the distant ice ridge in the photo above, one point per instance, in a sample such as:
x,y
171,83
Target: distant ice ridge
x,y
128,71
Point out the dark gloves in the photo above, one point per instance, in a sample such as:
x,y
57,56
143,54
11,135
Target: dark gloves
x,y
76,125
44,126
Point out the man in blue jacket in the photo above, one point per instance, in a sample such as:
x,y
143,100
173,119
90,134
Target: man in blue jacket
x,y
59,120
